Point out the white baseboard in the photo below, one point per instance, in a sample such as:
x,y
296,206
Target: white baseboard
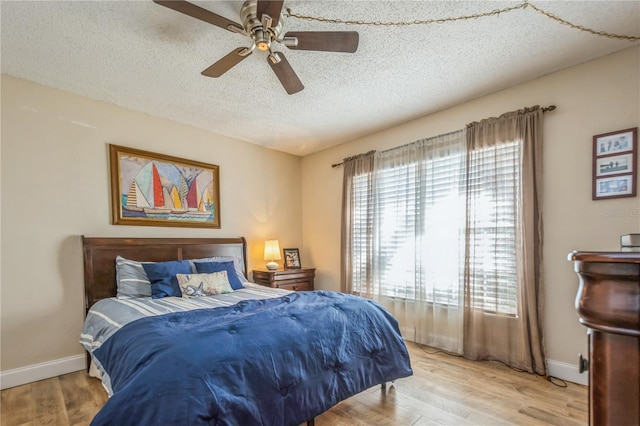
x,y
45,370
568,372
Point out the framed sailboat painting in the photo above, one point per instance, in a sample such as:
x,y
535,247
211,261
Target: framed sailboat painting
x,y
151,189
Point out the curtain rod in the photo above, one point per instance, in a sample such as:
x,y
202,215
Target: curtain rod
x,y
545,109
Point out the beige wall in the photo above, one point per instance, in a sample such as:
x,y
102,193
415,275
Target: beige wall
x,y
54,178
55,187
596,97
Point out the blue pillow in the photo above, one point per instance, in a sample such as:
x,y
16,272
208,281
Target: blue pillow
x,y
163,277
237,263
209,267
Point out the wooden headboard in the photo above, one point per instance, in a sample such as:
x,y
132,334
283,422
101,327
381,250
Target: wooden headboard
x,y
100,257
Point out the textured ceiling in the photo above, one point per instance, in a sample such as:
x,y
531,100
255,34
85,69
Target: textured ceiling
x,y
146,57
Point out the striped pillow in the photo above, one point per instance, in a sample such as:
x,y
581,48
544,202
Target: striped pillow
x,y
131,279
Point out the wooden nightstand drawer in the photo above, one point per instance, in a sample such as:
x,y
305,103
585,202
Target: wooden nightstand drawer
x,y
302,286
288,279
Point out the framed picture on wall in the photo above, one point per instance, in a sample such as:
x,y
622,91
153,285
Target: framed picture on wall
x,y
615,164
291,258
159,190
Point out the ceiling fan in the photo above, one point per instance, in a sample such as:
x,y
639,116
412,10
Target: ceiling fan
x,y
262,22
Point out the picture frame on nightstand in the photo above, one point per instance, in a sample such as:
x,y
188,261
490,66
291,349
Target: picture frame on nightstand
x,y
291,258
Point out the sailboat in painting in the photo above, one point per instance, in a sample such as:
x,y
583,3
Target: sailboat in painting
x,y
179,197
194,201
158,210
135,201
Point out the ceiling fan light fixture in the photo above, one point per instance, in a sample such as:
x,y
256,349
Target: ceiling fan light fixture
x,y
262,40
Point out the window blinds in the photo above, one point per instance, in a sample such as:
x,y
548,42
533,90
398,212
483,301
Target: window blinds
x,y
411,226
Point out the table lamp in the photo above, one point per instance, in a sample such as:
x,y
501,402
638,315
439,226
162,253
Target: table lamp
x,y
271,253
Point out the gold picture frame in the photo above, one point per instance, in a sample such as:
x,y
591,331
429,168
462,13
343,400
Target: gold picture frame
x,y
150,189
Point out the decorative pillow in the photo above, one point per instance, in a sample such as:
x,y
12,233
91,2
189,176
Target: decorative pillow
x,y
163,277
131,279
209,267
237,264
197,285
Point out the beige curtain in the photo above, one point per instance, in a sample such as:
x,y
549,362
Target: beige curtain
x,y
417,251
402,239
515,338
358,173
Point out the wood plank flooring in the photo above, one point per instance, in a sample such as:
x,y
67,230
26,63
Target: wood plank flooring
x,y
444,390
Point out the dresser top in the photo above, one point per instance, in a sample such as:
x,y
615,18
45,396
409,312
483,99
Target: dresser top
x,y
605,256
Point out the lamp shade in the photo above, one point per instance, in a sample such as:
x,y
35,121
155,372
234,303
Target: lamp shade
x,y
271,253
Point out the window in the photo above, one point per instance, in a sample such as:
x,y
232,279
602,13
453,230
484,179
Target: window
x,y
410,242
493,184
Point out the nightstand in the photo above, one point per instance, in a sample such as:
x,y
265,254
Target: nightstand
x,y
288,279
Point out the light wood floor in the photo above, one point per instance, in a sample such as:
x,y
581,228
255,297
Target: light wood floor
x,y
444,390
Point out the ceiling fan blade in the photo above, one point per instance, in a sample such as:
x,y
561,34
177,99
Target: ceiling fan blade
x,y
226,63
285,74
271,8
200,13
327,41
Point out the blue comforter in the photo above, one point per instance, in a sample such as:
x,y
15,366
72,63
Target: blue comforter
x,y
278,361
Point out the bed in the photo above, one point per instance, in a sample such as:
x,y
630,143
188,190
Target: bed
x,y
233,355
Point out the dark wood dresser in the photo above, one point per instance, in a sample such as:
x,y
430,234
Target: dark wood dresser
x,y
608,303
288,279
